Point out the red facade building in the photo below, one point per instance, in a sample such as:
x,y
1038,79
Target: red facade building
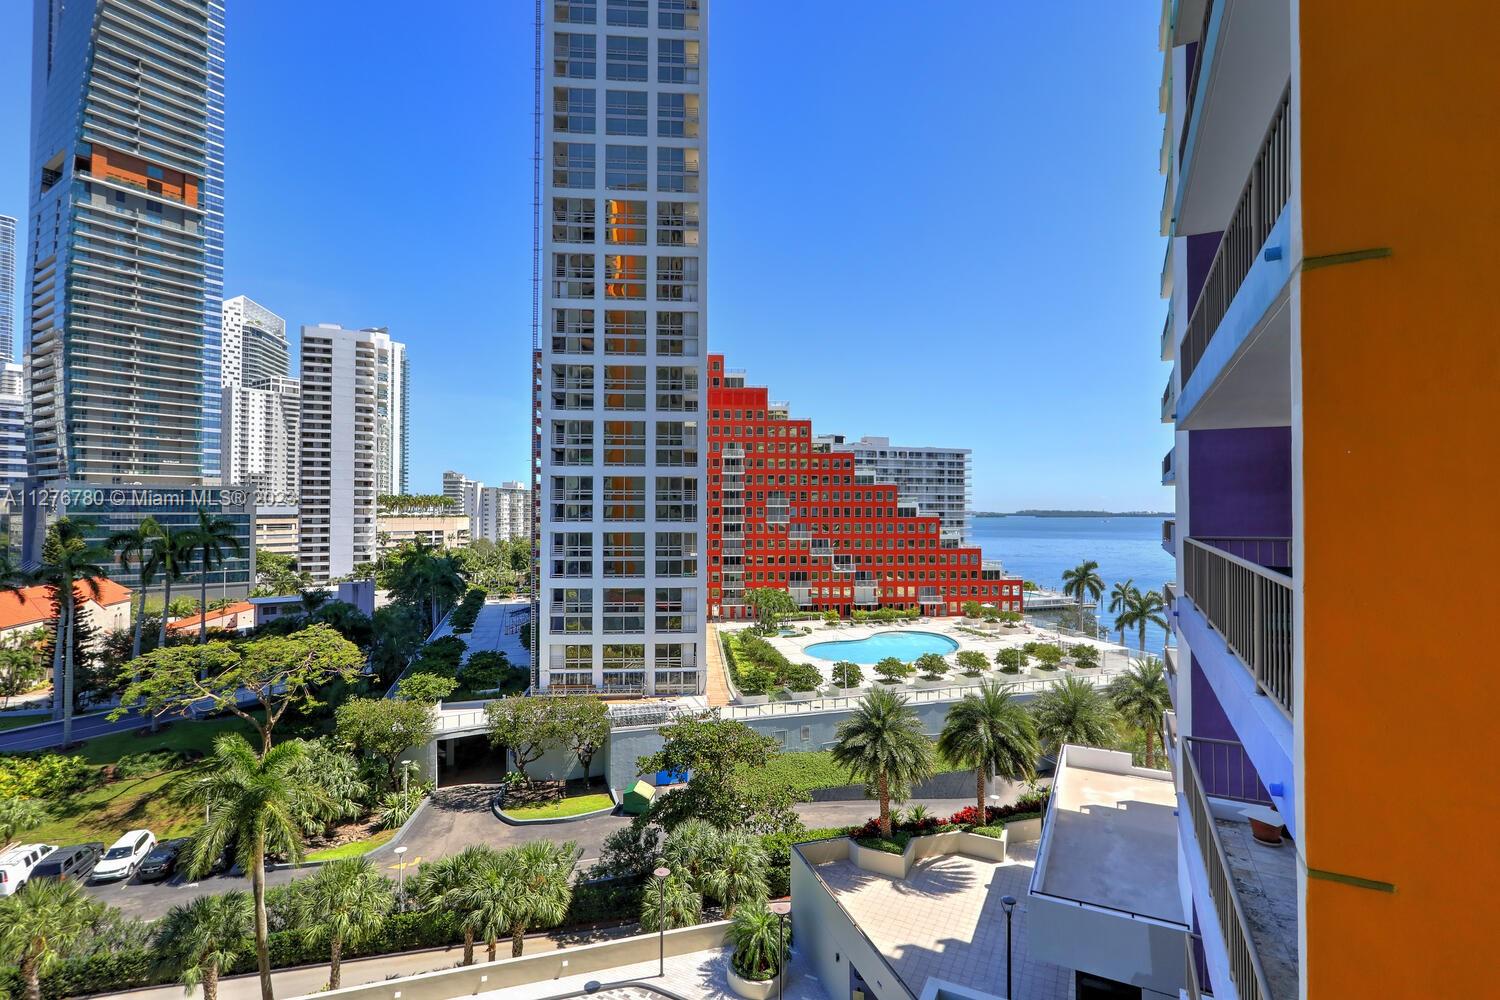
x,y
786,513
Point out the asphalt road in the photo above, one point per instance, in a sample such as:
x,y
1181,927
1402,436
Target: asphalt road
x,y
49,734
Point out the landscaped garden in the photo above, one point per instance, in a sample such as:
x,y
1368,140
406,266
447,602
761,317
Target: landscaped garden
x,y
554,799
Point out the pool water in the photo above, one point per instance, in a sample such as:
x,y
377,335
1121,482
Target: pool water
x,y
904,646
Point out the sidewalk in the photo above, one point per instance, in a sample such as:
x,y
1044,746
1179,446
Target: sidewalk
x,y
717,686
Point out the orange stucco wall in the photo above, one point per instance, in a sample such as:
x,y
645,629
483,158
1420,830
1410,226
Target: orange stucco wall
x,y
1400,148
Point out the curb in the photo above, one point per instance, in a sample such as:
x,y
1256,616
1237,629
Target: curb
x,y
389,845
511,821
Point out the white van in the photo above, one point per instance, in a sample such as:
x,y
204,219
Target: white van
x,y
16,865
124,856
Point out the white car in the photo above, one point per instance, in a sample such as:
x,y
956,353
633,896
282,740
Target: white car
x,y
124,856
17,863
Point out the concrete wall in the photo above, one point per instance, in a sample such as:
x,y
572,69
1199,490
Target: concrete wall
x,y
837,943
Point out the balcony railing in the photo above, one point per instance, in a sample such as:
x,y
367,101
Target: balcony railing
x,y
1198,985
1166,338
1264,195
1226,770
1168,402
1251,607
1169,535
1169,467
1244,960
1270,551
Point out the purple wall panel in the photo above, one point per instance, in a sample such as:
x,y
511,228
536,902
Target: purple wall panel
x,y
1240,482
1201,248
1209,719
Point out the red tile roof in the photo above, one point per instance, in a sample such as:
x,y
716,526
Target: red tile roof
x,y
216,618
33,605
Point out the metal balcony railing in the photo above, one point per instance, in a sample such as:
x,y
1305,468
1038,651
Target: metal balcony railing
x,y
1168,402
1265,194
1198,985
1244,960
1169,467
1251,607
1226,770
1166,338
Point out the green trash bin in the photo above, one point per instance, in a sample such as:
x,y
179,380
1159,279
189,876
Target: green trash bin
x,y
638,797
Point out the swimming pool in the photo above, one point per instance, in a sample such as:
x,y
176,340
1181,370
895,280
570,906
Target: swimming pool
x,y
904,646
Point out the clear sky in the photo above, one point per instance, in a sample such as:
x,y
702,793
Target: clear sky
x,y
939,229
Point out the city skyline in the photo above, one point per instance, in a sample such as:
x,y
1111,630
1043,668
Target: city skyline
x,y
287,242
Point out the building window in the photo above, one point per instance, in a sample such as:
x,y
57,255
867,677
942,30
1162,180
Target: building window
x,y
570,666
677,279
677,334
572,609
625,444
625,498
573,331
575,11
572,442
676,60
676,498
573,275
572,498
624,331
625,112
624,553
677,116
573,110
677,15
676,444
676,223
572,165
572,553
629,13
625,668
676,389
574,56
624,221
624,609
624,387
572,387
677,170
573,220
625,59
677,553
676,609
625,168
624,276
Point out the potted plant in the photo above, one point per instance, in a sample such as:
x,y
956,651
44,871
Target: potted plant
x,y
933,668
761,945
1085,657
892,670
802,679
973,662
847,676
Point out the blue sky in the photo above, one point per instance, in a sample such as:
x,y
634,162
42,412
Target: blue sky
x,y
940,230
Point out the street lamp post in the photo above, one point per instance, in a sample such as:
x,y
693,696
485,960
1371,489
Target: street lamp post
x,y
661,919
1009,902
781,908
401,876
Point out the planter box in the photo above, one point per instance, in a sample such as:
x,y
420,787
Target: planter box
x,y
923,684
803,695
750,989
880,862
1023,831
929,846
754,699
839,692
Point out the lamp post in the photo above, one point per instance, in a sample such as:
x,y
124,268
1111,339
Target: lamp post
x,y
1009,902
401,876
781,908
661,919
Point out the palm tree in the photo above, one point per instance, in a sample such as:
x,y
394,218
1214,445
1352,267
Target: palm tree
x,y
1145,610
759,944
40,923
1140,695
69,561
17,815
343,903
739,876
1083,582
692,849
539,875
1120,596
1073,711
676,903
210,542
255,805
442,886
200,941
990,731
883,745
169,557
133,547
483,900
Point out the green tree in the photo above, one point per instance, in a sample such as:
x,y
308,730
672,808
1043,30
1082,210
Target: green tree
x,y
253,802
484,901
1120,597
932,665
893,670
197,942
443,885
157,669
1012,660
396,633
527,727
425,689
973,662
1048,654
883,745
21,668
1084,583
169,556
211,541
276,574
426,578
760,942
539,875
739,873
584,721
1084,656
771,606
992,733
1143,609
672,902
342,904
133,547
384,728
342,780
692,850
70,562
847,674
1141,696
1073,711
40,924
721,758
18,815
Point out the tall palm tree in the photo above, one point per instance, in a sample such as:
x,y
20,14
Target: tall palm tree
x,y
442,886
1140,695
1146,609
200,941
344,903
212,540
1083,582
991,732
133,547
255,805
69,561
883,745
169,557
39,925
1073,711
483,901
691,850
740,874
540,877
1120,596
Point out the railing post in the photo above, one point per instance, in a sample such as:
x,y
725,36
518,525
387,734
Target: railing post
x,y
1256,614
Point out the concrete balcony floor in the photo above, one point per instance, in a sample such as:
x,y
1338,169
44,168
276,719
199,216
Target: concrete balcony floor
x,y
1266,880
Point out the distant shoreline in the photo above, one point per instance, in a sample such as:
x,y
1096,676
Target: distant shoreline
x,y
1072,513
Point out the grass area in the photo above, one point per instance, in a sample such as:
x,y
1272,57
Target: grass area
x,y
353,849
572,805
804,770
894,844
12,721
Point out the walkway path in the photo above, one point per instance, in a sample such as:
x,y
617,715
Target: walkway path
x,y
718,685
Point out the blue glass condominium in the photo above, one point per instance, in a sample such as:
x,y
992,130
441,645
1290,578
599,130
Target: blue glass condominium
x,y
125,273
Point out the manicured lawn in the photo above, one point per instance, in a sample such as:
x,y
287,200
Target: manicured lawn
x,y
804,770
9,720
353,849
573,805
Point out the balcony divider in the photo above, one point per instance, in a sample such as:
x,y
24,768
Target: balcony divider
x,y
1251,607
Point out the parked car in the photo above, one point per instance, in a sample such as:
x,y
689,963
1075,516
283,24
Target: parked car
x,y
76,862
17,864
162,862
124,856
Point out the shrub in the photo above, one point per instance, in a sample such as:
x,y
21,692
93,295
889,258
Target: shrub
x,y
892,670
778,848
1084,655
48,776
847,674
883,615
973,662
894,844
486,669
973,609
134,765
1048,655
990,831
467,613
1012,660
802,677
932,665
